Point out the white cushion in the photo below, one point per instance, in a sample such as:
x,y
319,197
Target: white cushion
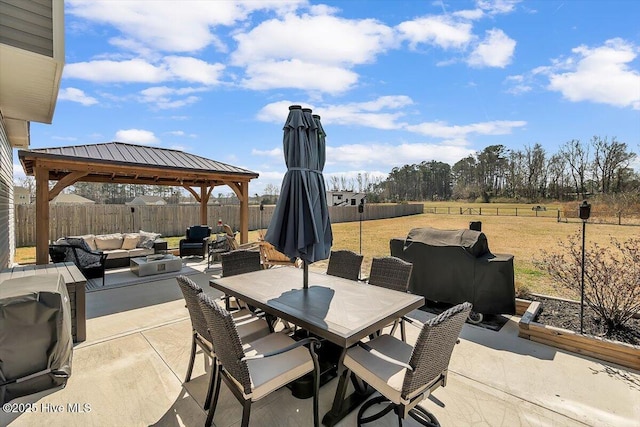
x,y
139,252
130,241
117,253
108,241
384,376
271,373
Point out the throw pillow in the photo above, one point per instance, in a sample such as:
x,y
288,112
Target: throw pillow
x,y
107,242
147,239
130,241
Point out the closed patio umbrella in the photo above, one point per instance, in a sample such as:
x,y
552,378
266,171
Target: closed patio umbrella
x,y
300,226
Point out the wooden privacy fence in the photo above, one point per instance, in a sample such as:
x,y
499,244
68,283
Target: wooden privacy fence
x,y
169,220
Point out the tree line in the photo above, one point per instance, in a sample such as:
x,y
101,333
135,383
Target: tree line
x,y
601,166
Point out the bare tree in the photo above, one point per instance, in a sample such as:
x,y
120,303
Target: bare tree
x,y
609,158
577,157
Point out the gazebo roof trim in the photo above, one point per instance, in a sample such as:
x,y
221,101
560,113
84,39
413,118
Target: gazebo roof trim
x,y
132,155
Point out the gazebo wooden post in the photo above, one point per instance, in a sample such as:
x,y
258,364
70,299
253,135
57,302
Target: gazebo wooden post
x,y
203,204
42,215
244,211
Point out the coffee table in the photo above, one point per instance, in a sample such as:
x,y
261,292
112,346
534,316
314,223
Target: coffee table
x,y
143,267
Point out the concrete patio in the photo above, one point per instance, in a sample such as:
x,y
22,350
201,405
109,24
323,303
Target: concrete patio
x,y
130,372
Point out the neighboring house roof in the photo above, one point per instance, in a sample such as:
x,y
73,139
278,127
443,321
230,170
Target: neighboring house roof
x,y
71,199
21,196
147,200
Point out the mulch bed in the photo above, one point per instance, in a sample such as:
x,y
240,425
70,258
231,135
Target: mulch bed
x,y
566,315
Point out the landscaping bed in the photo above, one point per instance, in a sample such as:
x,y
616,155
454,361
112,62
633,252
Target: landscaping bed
x,y
556,322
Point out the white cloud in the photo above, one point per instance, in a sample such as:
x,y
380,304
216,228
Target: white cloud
x,y
389,155
316,39
519,84
319,57
176,133
374,114
107,71
496,50
299,75
76,95
442,31
601,74
180,68
137,136
173,26
471,14
275,152
18,173
194,70
443,130
164,97
495,7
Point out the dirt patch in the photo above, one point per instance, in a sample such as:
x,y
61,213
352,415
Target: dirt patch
x,y
566,315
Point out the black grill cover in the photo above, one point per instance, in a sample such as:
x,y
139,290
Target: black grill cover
x,y
454,266
36,344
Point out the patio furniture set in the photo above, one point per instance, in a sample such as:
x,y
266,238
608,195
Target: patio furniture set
x,y
254,358
93,254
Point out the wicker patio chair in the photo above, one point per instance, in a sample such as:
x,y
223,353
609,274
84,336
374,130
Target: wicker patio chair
x,y
405,375
238,262
392,273
250,328
345,264
253,370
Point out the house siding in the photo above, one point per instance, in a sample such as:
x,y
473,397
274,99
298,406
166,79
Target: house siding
x,y
7,242
27,25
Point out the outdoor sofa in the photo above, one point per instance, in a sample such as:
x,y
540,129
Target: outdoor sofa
x,y
119,248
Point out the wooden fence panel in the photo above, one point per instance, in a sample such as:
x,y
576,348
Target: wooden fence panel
x,y
169,220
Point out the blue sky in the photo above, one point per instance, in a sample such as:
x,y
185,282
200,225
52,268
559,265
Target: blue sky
x,y
395,82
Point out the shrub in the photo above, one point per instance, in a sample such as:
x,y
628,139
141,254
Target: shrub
x,y
611,278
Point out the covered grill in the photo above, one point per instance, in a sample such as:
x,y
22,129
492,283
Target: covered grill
x,y
453,266
36,344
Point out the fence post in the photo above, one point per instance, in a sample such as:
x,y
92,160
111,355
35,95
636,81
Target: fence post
x,y
516,211
619,217
558,215
480,211
461,211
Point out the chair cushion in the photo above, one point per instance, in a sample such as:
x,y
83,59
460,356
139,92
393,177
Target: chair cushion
x,y
117,253
384,376
198,232
271,373
250,327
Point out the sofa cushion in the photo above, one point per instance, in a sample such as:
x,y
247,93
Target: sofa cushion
x,y
130,241
147,239
140,252
108,241
89,239
117,253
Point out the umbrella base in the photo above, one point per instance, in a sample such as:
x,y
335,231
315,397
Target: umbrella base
x,y
328,356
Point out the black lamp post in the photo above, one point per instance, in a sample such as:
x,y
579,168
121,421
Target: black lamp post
x,y
261,209
585,212
361,212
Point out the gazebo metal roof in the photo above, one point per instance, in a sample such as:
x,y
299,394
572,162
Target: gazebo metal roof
x,y
118,162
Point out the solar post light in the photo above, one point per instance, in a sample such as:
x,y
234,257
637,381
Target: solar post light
x,y
361,212
585,213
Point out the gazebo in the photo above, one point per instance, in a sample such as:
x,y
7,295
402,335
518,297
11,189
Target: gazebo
x,y
117,162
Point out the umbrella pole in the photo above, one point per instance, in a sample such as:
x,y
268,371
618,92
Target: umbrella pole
x,y
305,275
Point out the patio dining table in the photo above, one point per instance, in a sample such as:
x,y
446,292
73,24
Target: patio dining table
x,y
339,310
